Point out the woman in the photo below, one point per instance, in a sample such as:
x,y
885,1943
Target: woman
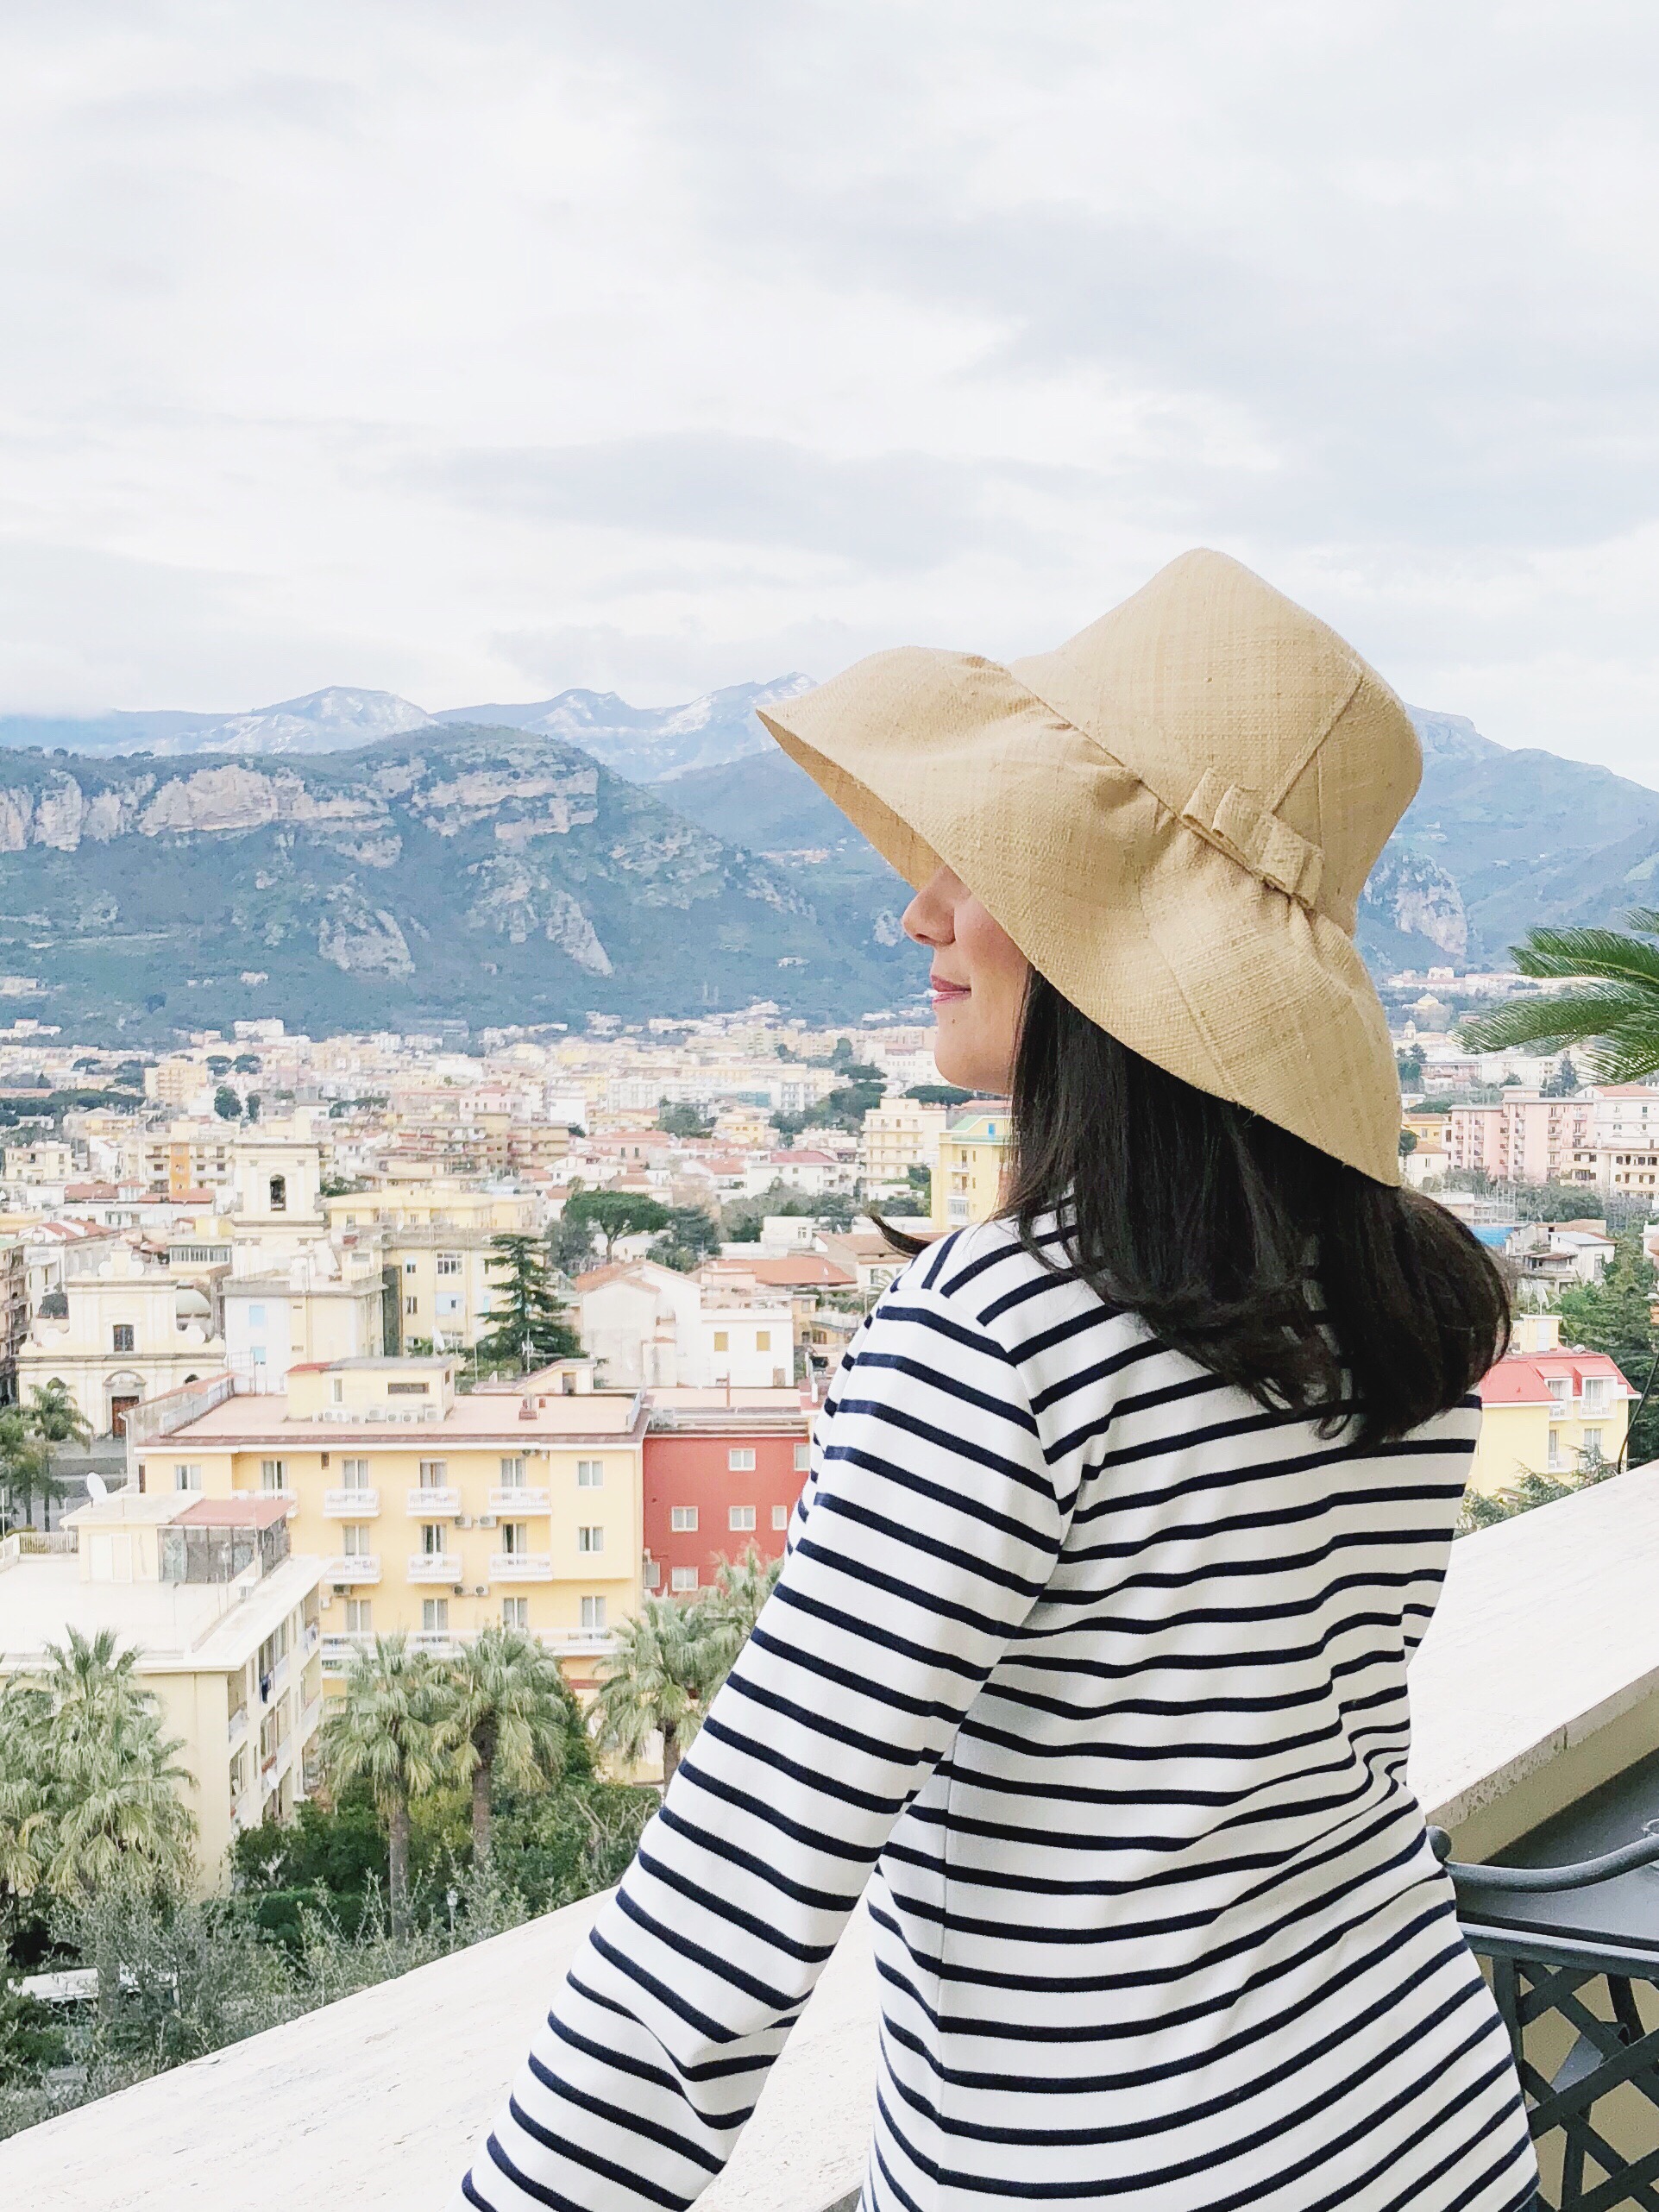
x,y
1126,1512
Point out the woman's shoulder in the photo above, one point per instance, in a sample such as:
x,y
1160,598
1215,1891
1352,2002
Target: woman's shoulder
x,y
1011,1288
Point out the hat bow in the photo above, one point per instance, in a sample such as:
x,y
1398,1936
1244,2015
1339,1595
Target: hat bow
x,y
1237,821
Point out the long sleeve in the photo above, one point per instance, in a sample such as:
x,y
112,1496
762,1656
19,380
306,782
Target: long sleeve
x,y
929,1531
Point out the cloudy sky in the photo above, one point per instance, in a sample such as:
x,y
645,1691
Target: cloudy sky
x,y
476,350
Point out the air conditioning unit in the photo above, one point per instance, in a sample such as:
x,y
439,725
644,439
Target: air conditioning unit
x,y
458,1589
481,1590
487,1520
464,1520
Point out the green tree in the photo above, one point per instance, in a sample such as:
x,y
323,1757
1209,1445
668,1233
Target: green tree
x,y
1410,1063
226,1104
117,1811
1564,1081
938,1093
26,1800
615,1214
25,1467
55,1415
662,1671
1614,1315
530,1326
691,1237
741,1586
387,1734
1611,1007
679,1119
508,1712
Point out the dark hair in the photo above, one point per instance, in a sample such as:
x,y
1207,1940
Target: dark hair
x,y
1207,1221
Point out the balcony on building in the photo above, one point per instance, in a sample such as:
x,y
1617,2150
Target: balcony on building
x,y
1537,1683
360,1505
521,1566
434,1567
352,1567
521,1500
433,1501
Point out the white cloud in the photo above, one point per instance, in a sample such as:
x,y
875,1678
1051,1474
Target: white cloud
x,y
474,352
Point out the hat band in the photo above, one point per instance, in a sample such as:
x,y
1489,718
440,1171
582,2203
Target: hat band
x,y
1235,821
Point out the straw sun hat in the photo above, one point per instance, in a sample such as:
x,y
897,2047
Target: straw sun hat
x,y
1172,816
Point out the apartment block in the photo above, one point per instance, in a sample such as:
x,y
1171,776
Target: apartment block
x,y
224,1616
968,1168
718,1477
434,1511
1548,1409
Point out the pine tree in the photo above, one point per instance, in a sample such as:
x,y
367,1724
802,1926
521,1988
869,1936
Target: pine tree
x,y
530,1326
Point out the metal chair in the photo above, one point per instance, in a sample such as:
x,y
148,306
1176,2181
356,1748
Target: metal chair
x,y
1546,1951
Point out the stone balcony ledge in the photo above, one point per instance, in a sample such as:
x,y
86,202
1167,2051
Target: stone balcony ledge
x,y
1536,1682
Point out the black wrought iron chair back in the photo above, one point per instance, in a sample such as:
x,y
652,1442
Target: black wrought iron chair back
x,y
1542,1964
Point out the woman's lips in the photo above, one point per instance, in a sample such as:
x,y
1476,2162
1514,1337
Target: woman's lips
x,y
944,994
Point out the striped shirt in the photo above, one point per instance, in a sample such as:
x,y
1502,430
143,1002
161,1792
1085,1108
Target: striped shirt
x,y
1094,1672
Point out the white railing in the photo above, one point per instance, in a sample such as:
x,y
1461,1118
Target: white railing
x,y
309,1640
521,1501
280,1676
283,1496
339,1644
436,1642
431,1566
569,1641
351,1504
236,1727
309,1718
433,1501
353,1566
521,1566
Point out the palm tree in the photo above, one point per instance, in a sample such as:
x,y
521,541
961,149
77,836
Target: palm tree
x,y
1615,1008
741,1589
113,1787
25,1466
25,1796
387,1734
663,1670
507,1711
54,1415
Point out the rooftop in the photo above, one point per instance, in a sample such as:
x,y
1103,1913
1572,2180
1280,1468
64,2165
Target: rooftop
x,y
262,1419
178,1627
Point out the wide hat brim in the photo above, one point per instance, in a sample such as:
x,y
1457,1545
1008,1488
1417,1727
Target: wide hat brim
x,y
1170,926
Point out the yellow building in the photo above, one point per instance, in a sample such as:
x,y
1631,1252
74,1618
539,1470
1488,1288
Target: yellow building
x,y
968,1166
436,1512
1546,1410
899,1134
224,1619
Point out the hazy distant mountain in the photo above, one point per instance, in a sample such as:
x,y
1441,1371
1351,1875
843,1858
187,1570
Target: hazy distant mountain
x,y
649,745
331,720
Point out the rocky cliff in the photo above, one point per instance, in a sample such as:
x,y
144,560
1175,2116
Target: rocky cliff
x,y
480,874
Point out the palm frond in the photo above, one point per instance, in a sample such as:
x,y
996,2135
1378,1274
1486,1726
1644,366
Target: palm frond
x,y
1566,1017
1566,954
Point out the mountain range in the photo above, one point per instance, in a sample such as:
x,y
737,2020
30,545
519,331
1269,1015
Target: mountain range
x,y
345,860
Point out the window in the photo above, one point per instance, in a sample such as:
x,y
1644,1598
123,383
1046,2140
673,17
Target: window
x,y
409,1266
448,1302
1553,1459
256,1316
1560,1392
1595,1393
448,1263
722,1340
590,1538
354,1475
273,1474
278,1194
407,1390
763,1340
512,1474
410,1305
780,1517
435,1615
653,1574
741,1459
740,1518
122,1336
590,1474
682,1519
256,1352
188,1477
515,1539
434,1474
1591,1447
682,1578
515,1612
353,1539
593,1612
431,1539
360,1616
802,1458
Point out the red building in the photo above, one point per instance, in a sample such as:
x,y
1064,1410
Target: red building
x,y
718,1477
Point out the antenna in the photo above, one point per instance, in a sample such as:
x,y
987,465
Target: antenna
x,y
96,1488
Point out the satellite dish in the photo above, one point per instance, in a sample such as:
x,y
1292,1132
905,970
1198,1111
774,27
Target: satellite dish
x,y
96,1488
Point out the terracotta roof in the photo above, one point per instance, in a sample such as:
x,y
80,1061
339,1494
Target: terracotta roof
x,y
1525,1381
234,1512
